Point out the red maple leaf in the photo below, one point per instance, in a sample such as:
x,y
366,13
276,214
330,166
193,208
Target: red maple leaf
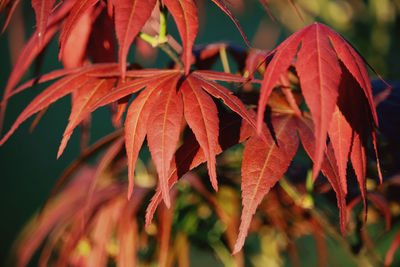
x,y
43,10
263,165
316,52
160,105
333,79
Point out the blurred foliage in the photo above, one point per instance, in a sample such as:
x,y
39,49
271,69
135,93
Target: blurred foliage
x,y
89,220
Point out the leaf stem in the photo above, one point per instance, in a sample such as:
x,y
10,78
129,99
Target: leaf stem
x,y
224,59
149,39
161,40
172,54
290,190
163,23
309,182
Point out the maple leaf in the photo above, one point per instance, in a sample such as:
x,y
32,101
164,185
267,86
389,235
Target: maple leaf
x,y
86,96
319,71
349,130
328,166
223,7
232,130
263,165
93,87
73,50
42,9
201,115
79,9
57,90
185,16
130,17
136,125
330,71
30,51
166,116
340,133
163,135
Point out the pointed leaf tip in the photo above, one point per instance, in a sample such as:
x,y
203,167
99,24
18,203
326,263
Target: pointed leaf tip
x,y
185,15
202,117
129,194
229,99
354,63
42,9
62,146
378,164
84,103
163,135
79,9
130,17
263,165
319,74
224,8
54,92
137,121
328,165
341,135
277,67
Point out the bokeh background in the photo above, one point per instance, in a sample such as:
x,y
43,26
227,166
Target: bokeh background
x,y
28,164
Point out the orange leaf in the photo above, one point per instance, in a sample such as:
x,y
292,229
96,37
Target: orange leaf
x,y
130,17
163,135
263,165
201,115
185,16
42,9
136,123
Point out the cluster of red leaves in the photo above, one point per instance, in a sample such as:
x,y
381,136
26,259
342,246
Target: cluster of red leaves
x,y
332,76
337,90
